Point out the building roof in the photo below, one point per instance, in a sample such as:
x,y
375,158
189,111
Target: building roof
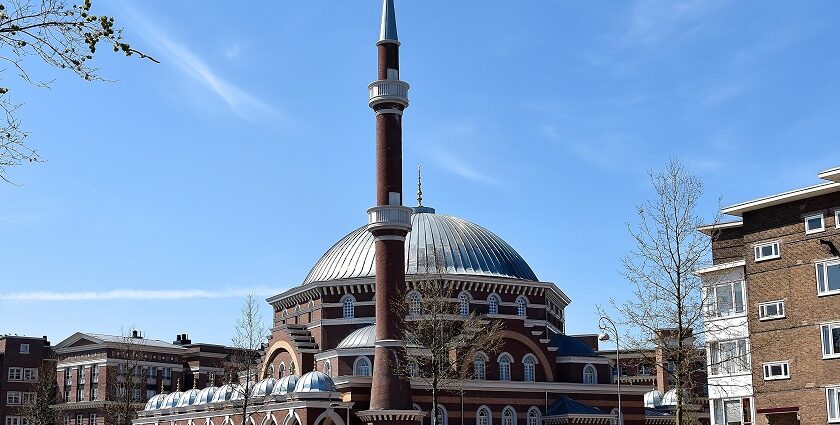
x,y
360,338
833,175
114,340
570,346
437,244
566,406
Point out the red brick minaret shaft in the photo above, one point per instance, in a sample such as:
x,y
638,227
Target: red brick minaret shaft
x,y
389,222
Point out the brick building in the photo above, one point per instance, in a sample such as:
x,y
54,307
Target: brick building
x,y
21,357
775,278
95,371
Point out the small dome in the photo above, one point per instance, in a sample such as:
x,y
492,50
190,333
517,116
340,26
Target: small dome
x,y
226,393
171,400
653,399
264,387
315,381
239,392
188,398
360,338
205,396
285,385
154,402
670,398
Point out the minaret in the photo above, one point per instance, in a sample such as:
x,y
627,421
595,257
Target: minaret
x,y
389,222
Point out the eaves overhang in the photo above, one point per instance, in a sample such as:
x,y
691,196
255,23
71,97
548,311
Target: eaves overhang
x,y
832,174
719,267
709,229
738,210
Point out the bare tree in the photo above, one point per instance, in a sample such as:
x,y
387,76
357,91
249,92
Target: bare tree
x,y
666,307
126,384
59,34
441,339
248,344
37,410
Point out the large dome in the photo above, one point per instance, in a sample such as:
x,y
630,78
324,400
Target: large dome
x,y
436,241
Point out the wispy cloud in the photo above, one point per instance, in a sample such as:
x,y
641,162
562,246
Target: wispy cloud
x,y
460,167
655,21
133,294
240,101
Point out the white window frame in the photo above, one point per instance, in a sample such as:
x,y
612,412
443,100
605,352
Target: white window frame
x,y
590,374
487,419
493,302
712,298
480,367
508,415
15,374
24,348
464,300
529,368
522,306
757,248
721,402
362,361
13,420
415,304
825,265
740,363
832,393
505,367
768,367
828,351
348,307
781,312
533,416
822,223
14,398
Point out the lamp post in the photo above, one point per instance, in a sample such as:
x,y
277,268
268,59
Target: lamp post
x,y
604,336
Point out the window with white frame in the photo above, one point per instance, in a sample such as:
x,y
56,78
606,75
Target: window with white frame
x,y
726,299
533,416
814,224
80,419
504,367
24,348
766,251
135,394
464,304
493,304
414,368
415,303
94,373
13,420
13,398
166,373
281,370
92,419
771,310
508,416
28,398
828,277
94,392
776,370
348,305
729,357
529,364
361,367
327,368
734,411
480,366
590,375
15,374
482,417
832,401
521,307
830,340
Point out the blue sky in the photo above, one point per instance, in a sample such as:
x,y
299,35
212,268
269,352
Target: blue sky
x,y
235,163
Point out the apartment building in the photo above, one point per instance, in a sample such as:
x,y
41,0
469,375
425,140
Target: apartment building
x,y
95,371
773,323
21,357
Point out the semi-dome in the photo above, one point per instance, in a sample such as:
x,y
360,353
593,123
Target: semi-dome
x,y
264,387
239,393
314,381
670,398
653,399
205,396
226,393
285,385
360,338
155,402
171,400
437,243
188,398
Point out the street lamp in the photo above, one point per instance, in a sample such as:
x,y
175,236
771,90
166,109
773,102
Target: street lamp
x,y
604,336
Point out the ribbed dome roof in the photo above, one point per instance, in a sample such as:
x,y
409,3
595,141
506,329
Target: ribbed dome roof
x,y
653,399
360,338
171,400
435,241
314,381
264,387
188,398
285,385
205,396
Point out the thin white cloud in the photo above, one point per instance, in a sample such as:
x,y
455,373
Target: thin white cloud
x,y
655,21
240,101
458,166
133,294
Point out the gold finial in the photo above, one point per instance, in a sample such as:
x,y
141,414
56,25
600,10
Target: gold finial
x,y
419,186
178,385
195,381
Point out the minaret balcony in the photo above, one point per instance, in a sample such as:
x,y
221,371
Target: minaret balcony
x,y
388,91
389,217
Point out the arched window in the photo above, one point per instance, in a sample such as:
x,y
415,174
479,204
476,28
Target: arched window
x,y
414,304
483,416
292,368
270,372
348,304
521,306
361,367
504,367
533,416
442,415
327,368
493,302
281,370
480,366
464,304
414,368
508,416
530,370
590,375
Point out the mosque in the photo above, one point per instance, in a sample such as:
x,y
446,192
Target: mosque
x,y
326,362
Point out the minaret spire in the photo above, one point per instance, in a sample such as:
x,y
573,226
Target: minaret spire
x,y
419,186
388,29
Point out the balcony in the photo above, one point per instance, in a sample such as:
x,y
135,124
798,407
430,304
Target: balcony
x,y
388,91
389,218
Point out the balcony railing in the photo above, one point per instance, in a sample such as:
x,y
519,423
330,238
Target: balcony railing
x,y
389,217
392,91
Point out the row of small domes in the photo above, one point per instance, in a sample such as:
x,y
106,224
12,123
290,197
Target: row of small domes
x,y
314,381
655,398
